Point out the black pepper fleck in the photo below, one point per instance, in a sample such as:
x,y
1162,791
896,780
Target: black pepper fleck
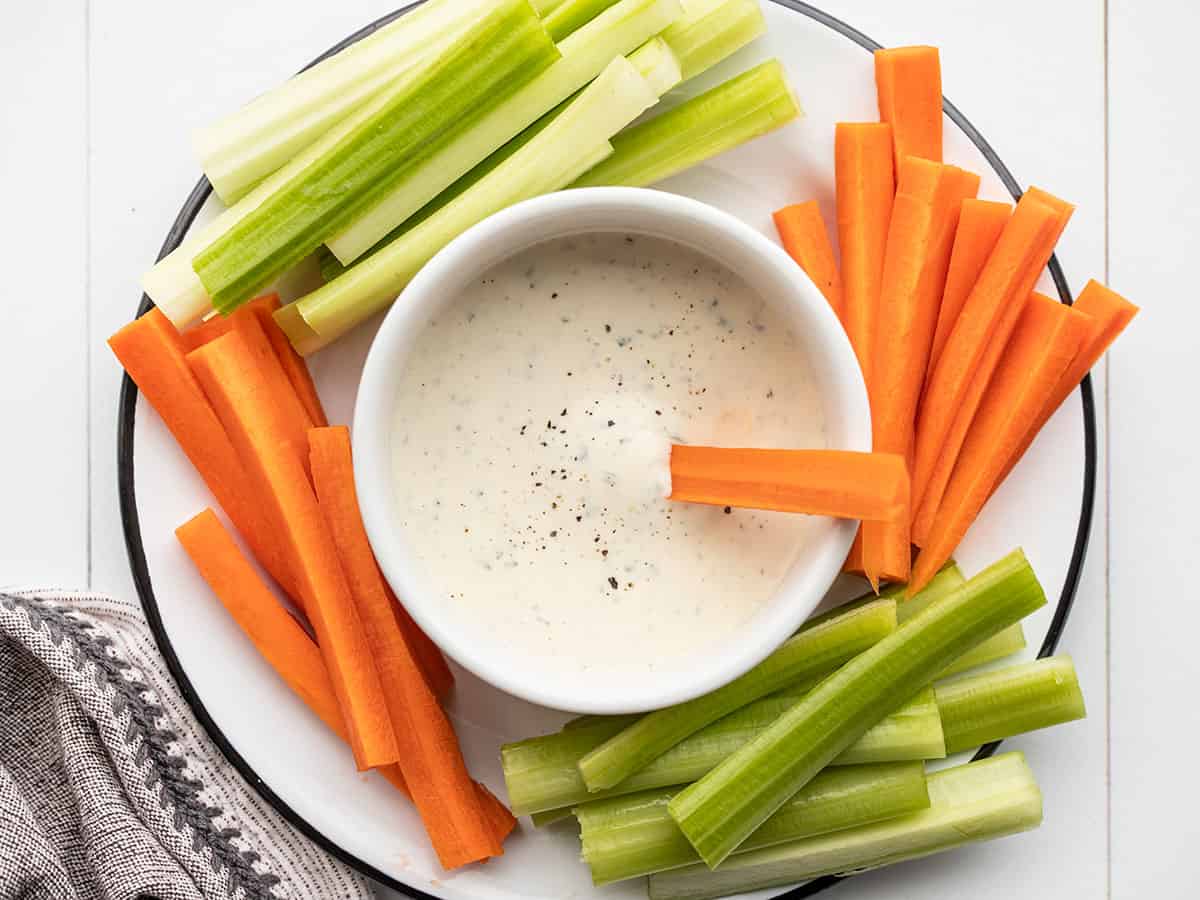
x,y
612,583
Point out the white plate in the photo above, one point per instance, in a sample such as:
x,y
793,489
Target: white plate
x,y
306,771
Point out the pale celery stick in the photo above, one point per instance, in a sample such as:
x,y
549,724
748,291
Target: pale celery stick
x,y
978,709
542,774
712,30
635,835
979,801
617,31
754,103
545,164
721,810
813,651
242,148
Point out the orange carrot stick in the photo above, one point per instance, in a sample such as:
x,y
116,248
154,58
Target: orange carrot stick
x,y
865,189
1108,313
979,227
291,361
929,198
430,756
805,237
285,646
217,324
1045,340
986,320
837,483
151,351
338,498
231,377
908,83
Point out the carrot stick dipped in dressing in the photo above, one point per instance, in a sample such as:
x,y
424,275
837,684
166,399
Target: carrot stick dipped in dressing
x,y
908,84
285,646
986,321
865,189
924,219
230,375
152,352
806,239
338,497
1047,337
838,483
979,227
430,757
1108,314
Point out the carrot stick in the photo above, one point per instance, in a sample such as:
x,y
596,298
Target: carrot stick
x,y
430,756
908,83
245,322
1108,313
291,361
924,219
234,382
218,325
979,227
865,189
987,319
1047,337
151,350
805,237
338,497
286,646
836,483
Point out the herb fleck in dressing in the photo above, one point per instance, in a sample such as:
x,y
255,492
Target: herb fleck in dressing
x,y
532,441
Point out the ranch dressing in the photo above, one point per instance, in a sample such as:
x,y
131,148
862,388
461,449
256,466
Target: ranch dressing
x,y
532,440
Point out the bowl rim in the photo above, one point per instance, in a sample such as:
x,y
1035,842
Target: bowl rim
x,y
841,386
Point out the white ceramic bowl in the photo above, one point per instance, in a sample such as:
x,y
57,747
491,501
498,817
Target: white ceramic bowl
x,y
765,268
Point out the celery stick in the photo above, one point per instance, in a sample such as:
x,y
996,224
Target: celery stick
x,y
812,651
752,104
616,31
568,17
908,733
726,805
546,163
542,773
424,113
635,835
244,147
982,708
1006,643
712,30
979,801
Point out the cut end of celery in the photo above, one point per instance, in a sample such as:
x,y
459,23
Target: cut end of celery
x,y
304,340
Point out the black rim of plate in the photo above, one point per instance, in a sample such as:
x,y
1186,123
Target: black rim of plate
x,y
141,572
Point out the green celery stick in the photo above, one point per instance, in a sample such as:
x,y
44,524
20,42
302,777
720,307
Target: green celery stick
x,y
570,16
754,103
504,49
813,651
1006,643
614,32
545,164
978,709
974,802
635,835
721,810
549,817
542,773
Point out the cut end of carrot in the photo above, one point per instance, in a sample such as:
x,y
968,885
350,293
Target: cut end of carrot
x,y
908,83
804,235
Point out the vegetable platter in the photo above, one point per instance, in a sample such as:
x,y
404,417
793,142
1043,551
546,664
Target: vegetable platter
x,y
346,259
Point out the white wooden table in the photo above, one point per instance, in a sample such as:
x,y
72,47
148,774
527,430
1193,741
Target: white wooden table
x,y
1095,99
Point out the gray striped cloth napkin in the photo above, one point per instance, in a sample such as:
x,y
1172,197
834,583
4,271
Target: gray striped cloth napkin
x,y
108,788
